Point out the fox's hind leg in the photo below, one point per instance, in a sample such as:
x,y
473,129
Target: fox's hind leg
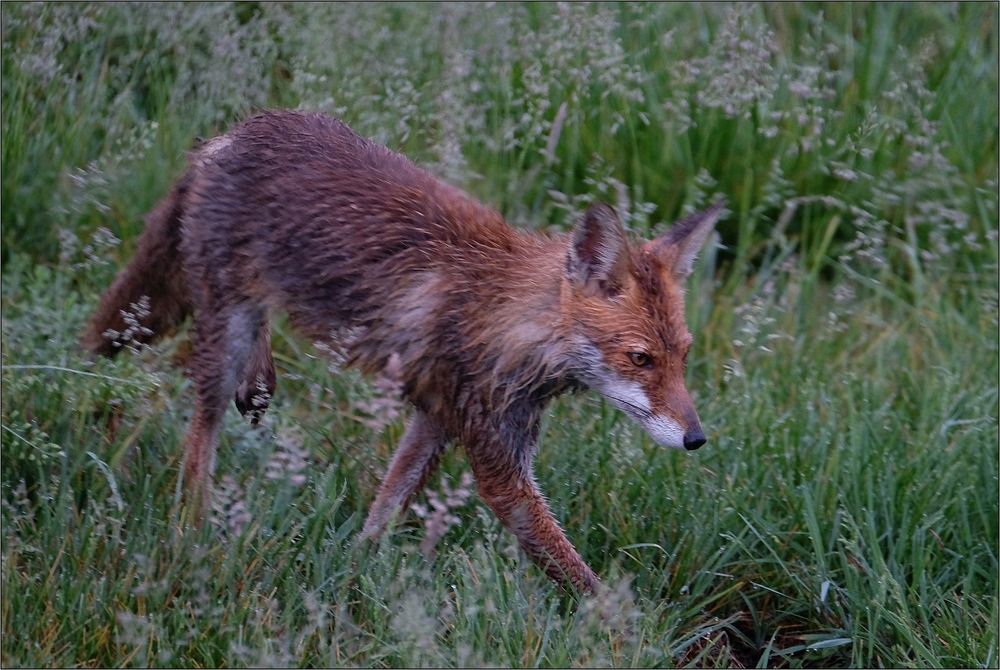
x,y
224,341
417,456
254,393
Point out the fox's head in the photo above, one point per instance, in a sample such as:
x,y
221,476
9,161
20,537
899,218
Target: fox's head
x,y
623,303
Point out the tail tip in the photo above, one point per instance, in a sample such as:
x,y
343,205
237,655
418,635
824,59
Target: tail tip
x,y
96,342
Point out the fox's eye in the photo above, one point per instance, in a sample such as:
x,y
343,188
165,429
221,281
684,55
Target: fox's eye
x,y
640,359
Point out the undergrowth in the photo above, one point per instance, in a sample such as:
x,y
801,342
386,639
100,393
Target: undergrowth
x,y
844,512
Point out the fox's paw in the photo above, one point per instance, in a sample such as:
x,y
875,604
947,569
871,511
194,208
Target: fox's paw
x,y
253,396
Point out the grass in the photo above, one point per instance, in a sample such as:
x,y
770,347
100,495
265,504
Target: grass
x,y
844,512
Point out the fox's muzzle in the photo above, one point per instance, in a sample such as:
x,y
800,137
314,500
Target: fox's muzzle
x,y
677,427
694,438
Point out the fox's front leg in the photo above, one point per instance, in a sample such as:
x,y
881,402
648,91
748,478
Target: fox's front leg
x,y
506,483
417,456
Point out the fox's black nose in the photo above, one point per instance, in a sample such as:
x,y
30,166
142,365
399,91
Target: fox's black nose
x,y
694,439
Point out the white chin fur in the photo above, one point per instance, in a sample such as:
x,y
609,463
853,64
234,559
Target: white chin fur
x,y
629,397
665,431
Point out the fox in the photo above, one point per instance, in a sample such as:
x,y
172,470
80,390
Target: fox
x,y
482,323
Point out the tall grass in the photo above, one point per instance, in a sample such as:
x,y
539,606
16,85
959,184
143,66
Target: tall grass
x,y
844,512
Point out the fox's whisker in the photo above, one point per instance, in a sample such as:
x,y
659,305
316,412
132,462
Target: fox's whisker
x,y
644,413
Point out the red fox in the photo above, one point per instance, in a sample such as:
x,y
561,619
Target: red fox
x,y
483,324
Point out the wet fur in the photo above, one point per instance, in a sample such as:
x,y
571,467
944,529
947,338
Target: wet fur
x,y
294,212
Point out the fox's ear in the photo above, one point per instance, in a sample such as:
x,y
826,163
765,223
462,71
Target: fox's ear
x,y
685,239
598,255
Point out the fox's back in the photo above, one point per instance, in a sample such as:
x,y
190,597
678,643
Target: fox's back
x,y
298,210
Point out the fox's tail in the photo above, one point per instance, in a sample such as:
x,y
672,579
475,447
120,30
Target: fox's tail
x,y
149,298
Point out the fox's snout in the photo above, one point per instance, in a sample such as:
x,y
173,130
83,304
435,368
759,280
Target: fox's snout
x,y
672,424
694,438
667,432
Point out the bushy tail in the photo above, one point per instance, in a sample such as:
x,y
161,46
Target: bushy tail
x,y
148,299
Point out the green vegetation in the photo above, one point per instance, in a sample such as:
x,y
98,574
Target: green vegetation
x,y
845,510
